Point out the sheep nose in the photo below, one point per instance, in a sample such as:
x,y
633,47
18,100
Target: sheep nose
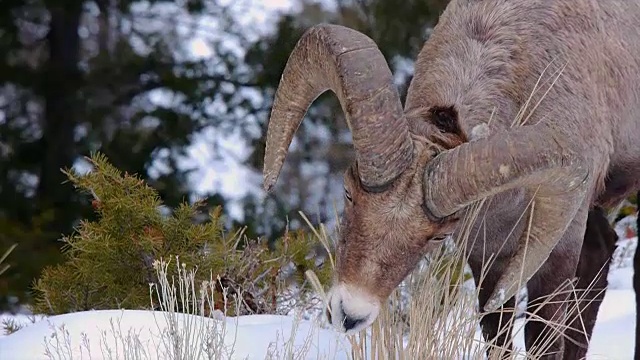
x,y
350,308
348,322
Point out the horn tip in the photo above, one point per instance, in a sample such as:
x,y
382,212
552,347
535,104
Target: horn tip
x,y
496,300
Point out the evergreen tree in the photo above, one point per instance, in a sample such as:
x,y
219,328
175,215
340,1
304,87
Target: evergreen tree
x,y
110,261
78,76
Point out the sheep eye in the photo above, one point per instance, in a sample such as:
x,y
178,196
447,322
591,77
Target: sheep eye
x,y
439,238
347,195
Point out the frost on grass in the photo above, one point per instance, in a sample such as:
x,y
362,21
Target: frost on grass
x,y
447,327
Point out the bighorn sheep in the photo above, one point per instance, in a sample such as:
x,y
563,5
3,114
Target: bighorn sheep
x,y
417,169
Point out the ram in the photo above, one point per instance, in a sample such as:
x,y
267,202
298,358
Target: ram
x,y
567,71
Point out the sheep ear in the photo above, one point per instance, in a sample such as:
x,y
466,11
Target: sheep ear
x,y
446,119
530,157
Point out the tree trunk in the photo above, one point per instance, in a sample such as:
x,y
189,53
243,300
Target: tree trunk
x,y
60,91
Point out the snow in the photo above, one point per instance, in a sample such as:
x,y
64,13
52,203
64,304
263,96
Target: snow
x,y
258,335
614,332
225,171
248,337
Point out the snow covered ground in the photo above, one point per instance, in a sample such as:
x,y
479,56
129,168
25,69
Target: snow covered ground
x,y
92,333
614,333
263,336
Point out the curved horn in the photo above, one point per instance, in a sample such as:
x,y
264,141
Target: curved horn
x,y
532,157
345,61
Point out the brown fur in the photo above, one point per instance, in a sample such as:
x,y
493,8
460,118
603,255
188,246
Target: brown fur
x,y
367,259
484,60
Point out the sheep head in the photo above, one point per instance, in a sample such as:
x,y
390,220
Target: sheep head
x,y
383,235
401,197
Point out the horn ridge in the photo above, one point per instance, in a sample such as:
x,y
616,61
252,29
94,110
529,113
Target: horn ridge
x,y
531,157
347,62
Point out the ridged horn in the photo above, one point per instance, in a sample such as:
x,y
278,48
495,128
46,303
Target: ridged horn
x,y
347,62
530,157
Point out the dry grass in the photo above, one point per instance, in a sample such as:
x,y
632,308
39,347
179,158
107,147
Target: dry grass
x,y
432,315
178,334
440,319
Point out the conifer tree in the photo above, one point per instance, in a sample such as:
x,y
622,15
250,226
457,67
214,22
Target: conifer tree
x,y
109,261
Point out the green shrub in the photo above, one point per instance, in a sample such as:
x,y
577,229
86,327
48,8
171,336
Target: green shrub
x,y
109,262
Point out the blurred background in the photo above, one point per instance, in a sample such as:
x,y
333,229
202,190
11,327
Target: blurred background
x,y
178,92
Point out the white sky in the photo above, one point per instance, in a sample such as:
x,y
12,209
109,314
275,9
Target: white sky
x,y
228,176
222,172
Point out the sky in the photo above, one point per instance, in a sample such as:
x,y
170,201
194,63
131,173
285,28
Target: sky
x,y
225,174
215,171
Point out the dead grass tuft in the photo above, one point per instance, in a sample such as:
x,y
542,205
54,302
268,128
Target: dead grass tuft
x,y
434,313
